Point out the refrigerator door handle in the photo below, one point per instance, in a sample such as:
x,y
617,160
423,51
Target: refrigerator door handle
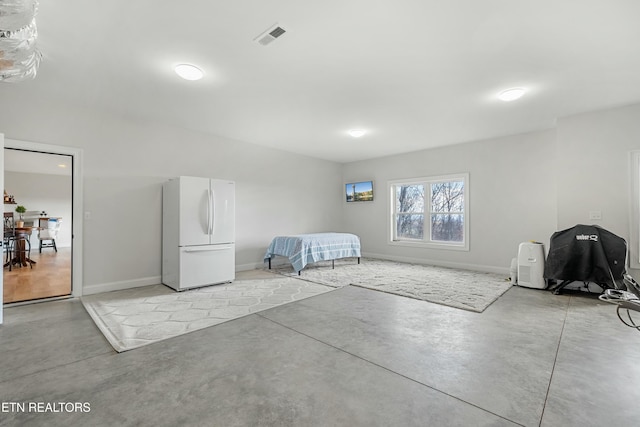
x,y
213,208
209,248
208,212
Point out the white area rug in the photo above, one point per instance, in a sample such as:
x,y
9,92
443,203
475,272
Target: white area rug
x,y
469,290
135,317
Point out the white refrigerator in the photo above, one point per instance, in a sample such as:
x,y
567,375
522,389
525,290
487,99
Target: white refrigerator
x,y
198,232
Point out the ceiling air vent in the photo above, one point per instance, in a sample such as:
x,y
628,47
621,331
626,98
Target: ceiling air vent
x,y
270,35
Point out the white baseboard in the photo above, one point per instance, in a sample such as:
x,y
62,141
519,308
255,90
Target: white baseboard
x,y
155,280
462,266
146,281
118,286
250,266
275,262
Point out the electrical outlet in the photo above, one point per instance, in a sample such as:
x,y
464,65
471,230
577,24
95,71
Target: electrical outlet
x,y
595,215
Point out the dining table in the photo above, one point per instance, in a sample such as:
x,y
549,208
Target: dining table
x,y
20,236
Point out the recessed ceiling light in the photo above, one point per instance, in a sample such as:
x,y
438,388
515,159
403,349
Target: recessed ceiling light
x,y
511,94
357,133
62,165
189,72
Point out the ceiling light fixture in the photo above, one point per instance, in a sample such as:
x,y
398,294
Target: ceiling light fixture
x,y
62,165
511,94
189,72
19,58
357,133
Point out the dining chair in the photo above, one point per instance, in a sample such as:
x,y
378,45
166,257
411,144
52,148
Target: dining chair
x,y
8,239
49,234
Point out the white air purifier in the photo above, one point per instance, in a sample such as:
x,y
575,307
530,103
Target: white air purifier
x,y
531,265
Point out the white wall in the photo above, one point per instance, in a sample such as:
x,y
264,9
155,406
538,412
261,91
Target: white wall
x,y
512,198
594,170
125,163
523,187
38,192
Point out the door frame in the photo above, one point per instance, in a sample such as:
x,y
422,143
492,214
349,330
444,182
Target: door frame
x,y
76,202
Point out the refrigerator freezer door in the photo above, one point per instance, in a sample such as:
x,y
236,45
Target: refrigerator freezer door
x,y
194,211
223,224
206,265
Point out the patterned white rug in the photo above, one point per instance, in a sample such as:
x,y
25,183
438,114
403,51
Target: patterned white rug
x,y
468,290
135,317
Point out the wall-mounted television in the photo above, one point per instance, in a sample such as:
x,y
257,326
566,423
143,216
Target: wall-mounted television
x,y
359,191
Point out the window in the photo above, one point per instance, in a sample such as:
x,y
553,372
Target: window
x,y
430,212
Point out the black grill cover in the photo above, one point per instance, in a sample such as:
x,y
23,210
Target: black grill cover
x,y
586,253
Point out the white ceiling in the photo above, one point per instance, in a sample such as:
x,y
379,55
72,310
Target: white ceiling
x,y
35,162
414,73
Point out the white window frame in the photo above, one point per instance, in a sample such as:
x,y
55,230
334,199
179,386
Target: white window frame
x,y
634,226
426,242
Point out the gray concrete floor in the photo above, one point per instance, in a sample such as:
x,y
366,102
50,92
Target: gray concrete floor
x,y
352,357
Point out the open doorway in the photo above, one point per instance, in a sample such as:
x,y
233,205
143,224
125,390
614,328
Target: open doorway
x,y
40,264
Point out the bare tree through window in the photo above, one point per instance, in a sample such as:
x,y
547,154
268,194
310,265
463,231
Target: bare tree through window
x,y
410,219
431,210
447,211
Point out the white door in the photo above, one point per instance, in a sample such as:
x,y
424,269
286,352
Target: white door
x,y
194,211
224,207
75,222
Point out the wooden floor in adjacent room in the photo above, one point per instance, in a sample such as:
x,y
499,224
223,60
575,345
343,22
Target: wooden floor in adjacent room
x,y
49,277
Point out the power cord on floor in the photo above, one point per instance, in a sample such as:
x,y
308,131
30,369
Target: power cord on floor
x,y
633,324
625,301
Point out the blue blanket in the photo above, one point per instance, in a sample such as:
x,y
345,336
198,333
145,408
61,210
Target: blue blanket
x,y
307,248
